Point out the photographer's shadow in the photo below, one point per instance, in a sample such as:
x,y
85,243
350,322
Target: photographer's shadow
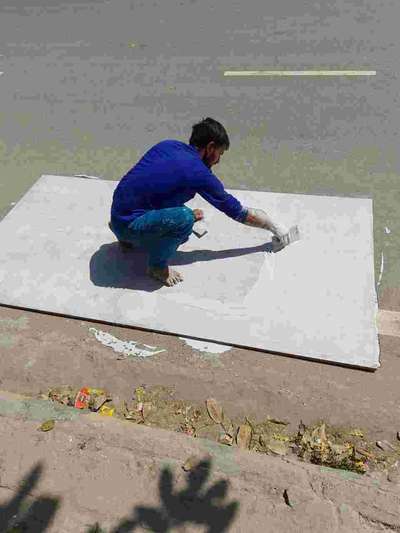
x,y
113,266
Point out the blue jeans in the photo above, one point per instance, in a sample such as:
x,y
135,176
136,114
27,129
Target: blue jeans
x,y
160,232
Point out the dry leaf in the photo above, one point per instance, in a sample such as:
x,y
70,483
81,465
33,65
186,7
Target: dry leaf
x,y
356,433
243,437
385,445
47,426
214,410
365,453
190,463
279,436
139,394
278,448
227,425
276,421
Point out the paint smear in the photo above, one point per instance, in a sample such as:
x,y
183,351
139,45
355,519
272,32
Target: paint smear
x,y
381,272
209,347
125,348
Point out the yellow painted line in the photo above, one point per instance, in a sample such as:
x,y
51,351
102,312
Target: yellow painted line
x,y
300,73
388,323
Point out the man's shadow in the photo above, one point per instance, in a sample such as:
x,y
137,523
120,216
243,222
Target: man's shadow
x,y
113,266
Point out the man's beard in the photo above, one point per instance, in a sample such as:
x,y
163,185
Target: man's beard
x,y
206,162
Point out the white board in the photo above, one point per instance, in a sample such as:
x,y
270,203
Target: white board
x,y
315,298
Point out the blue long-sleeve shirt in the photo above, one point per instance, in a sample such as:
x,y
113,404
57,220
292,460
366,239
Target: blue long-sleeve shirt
x,y
169,175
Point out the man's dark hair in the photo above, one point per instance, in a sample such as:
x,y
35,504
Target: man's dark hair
x,y
209,130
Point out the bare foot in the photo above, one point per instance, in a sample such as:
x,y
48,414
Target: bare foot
x,y
167,275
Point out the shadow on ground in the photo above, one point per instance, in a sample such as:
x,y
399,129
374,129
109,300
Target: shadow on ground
x,y
25,513
112,266
194,504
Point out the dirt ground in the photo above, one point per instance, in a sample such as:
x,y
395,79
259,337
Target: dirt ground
x,y
39,351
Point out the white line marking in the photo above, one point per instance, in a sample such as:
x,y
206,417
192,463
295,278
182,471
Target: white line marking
x,y
300,73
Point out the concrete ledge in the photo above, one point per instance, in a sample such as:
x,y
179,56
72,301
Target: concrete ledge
x,y
105,470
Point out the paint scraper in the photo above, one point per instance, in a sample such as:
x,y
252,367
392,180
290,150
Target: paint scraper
x,y
200,229
290,237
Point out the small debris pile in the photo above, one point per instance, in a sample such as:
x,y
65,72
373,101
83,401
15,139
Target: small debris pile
x,y
157,406
314,445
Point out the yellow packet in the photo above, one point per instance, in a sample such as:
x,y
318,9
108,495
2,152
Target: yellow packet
x,y
105,410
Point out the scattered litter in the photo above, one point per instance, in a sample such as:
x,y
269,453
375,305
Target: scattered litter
x,y
99,401
209,347
105,410
214,410
82,399
387,230
315,446
243,437
125,348
64,395
157,406
47,426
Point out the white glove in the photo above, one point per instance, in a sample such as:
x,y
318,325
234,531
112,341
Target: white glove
x,y
279,244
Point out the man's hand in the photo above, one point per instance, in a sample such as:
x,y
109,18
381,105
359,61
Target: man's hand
x,y
198,214
279,244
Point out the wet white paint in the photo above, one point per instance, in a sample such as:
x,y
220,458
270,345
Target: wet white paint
x,y
125,348
209,347
381,272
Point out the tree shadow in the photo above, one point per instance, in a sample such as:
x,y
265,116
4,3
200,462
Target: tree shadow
x,y
24,513
195,504
113,266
